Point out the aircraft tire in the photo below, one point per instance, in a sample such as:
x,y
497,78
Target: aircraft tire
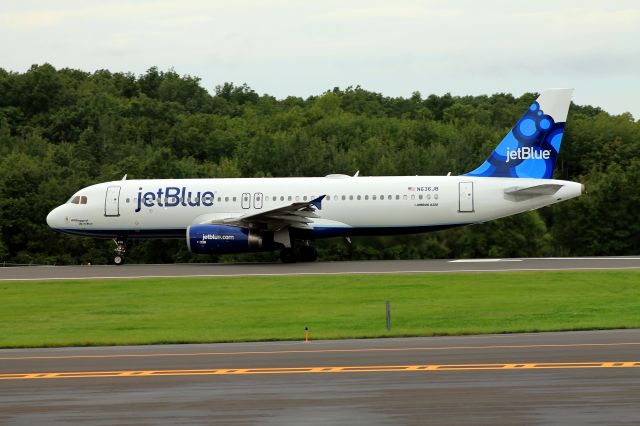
x,y
308,254
118,260
288,255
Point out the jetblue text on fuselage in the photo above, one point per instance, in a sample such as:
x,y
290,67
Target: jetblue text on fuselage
x,y
526,153
172,196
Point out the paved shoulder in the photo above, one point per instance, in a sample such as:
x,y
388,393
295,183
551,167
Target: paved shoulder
x,y
319,268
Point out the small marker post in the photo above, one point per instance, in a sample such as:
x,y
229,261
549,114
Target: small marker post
x,y
388,311
306,334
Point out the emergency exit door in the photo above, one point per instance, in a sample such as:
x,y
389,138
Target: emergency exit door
x,y
466,196
257,200
246,200
112,201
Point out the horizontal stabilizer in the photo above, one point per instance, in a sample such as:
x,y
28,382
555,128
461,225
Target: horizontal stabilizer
x,y
544,189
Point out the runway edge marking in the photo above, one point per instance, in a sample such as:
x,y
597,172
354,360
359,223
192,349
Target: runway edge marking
x,y
311,351
293,274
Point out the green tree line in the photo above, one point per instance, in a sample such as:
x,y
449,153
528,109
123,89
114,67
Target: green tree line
x,y
61,130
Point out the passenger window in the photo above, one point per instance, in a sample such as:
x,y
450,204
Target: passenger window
x,y
420,196
359,197
328,198
366,197
234,199
435,196
304,198
350,197
373,197
413,197
382,197
404,197
275,198
219,199
344,197
397,197
226,199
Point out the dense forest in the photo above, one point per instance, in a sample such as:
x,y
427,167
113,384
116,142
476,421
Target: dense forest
x,y
64,129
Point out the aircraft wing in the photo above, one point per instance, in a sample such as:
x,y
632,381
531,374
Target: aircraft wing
x,y
295,215
532,191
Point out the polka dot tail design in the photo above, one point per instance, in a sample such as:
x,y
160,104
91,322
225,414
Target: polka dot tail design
x,y
529,150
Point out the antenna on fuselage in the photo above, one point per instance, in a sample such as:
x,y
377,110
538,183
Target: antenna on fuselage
x,y
357,173
124,177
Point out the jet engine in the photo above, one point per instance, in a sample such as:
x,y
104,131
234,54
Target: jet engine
x,y
225,239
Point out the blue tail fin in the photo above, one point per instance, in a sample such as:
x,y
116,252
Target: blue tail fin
x,y
531,148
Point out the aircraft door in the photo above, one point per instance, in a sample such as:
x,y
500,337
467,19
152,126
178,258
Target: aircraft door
x,y
112,201
257,200
466,196
246,200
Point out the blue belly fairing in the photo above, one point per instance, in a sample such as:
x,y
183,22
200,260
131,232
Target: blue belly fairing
x,y
306,234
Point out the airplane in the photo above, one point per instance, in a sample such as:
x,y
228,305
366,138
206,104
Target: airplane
x,y
224,216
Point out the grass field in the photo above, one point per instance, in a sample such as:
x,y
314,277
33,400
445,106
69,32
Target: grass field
x,y
180,310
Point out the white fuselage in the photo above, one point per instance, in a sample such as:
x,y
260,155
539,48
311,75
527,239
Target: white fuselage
x,y
352,206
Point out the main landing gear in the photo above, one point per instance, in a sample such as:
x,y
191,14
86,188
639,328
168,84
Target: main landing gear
x,y
120,251
308,254
304,253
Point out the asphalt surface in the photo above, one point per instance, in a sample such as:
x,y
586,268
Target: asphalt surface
x,y
546,378
318,268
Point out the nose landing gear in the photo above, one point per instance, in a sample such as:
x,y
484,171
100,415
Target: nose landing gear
x,y
120,251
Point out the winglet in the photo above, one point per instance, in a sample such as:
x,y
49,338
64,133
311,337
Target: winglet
x,y
317,202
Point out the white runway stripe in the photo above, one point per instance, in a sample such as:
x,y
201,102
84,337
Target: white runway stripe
x,y
483,260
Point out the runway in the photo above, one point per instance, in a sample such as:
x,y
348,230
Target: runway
x,y
318,268
546,378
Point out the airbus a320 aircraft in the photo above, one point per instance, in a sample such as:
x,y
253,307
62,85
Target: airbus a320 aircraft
x,y
222,216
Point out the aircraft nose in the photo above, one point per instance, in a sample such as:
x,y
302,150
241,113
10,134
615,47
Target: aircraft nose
x,y
54,218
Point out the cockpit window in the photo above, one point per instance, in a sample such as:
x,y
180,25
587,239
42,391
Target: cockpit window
x,y
78,199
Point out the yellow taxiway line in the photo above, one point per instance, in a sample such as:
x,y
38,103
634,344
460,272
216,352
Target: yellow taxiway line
x,y
311,370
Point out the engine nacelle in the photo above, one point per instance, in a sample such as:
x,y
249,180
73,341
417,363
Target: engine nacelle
x,y
223,239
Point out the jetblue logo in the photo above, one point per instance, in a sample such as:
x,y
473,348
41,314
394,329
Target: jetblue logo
x,y
171,196
526,153
218,237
